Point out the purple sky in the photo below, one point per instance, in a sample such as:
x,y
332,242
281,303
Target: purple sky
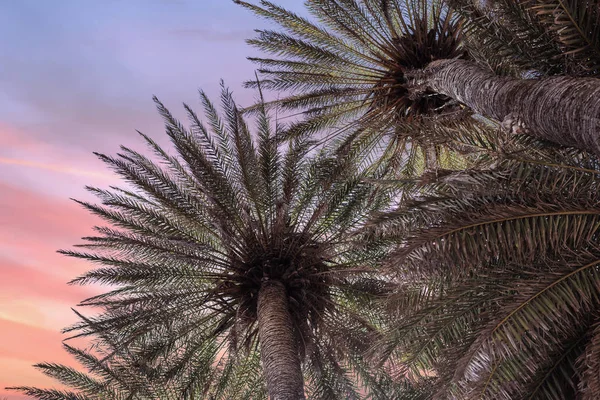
x,y
77,76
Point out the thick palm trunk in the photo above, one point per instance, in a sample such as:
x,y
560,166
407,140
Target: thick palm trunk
x,y
278,348
563,110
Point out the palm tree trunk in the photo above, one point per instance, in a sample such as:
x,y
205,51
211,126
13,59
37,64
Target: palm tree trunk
x,y
279,352
563,110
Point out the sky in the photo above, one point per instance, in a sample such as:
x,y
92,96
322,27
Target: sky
x,y
77,76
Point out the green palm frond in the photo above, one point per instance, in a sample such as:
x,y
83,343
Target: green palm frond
x,y
358,62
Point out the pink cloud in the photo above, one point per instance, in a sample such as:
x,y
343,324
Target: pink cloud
x,y
61,168
22,346
23,282
35,300
28,217
11,138
32,344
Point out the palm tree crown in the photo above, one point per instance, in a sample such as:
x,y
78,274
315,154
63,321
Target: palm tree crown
x,y
353,66
198,236
394,63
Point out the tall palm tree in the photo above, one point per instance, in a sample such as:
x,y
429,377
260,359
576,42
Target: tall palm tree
x,y
387,61
234,247
498,272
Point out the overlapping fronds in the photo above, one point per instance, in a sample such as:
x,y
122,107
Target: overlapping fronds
x,y
507,36
533,37
351,66
113,373
194,235
121,377
354,62
575,24
498,272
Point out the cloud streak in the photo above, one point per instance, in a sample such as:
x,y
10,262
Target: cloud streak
x,y
63,169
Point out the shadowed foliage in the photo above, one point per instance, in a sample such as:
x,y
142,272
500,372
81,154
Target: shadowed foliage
x,y
533,37
118,375
498,271
113,373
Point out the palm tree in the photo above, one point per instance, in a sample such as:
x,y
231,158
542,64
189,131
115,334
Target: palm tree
x,y
386,61
114,373
235,248
498,272
343,77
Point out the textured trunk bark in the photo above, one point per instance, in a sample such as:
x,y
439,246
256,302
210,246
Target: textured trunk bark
x,y
279,352
563,110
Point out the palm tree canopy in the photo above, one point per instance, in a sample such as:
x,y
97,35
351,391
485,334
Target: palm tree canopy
x,y
351,66
194,236
498,272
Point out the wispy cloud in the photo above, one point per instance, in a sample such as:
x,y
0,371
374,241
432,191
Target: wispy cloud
x,y
63,169
22,282
34,226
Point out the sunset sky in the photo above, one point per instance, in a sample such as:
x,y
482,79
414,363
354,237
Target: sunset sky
x,y
77,76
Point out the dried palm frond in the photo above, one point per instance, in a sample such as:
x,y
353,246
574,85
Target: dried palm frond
x,y
576,26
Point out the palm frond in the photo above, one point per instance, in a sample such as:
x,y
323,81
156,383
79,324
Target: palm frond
x,y
576,25
349,66
497,271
